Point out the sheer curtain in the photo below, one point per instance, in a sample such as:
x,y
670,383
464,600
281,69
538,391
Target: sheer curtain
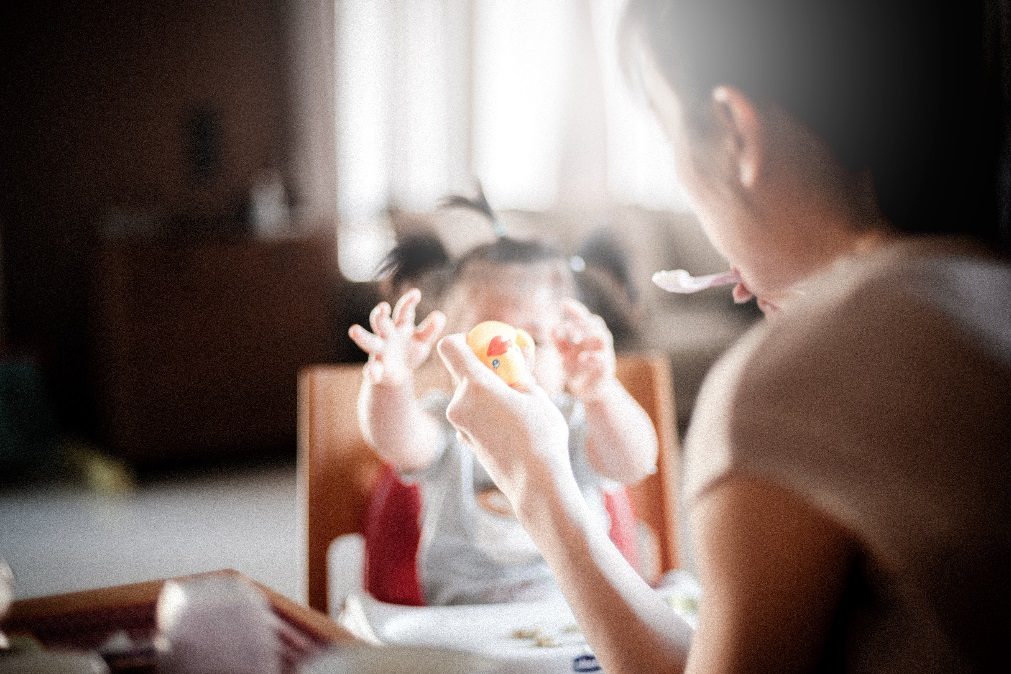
x,y
525,95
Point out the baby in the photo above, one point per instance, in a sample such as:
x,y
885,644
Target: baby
x,y
472,548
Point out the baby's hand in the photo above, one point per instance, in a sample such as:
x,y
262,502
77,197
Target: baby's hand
x,y
395,346
587,350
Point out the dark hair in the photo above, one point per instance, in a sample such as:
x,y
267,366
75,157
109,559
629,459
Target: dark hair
x,y
422,257
604,284
413,258
508,250
917,93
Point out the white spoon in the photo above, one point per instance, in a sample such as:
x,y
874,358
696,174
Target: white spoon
x,y
680,281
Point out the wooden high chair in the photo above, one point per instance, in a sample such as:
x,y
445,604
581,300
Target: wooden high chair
x,y
336,468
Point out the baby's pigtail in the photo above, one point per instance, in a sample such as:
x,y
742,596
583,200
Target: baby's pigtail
x,y
478,204
415,261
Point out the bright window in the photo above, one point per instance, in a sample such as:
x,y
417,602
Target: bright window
x,y
525,95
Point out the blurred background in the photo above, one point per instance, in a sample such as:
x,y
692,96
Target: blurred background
x,y
196,196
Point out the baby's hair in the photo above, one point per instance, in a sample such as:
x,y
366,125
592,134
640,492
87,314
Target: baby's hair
x,y
504,249
507,250
604,283
421,258
480,205
416,257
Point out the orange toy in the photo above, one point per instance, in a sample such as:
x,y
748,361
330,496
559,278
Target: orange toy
x,y
502,347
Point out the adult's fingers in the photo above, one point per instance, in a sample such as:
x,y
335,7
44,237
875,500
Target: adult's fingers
x,y
403,313
430,328
380,321
465,438
530,357
462,363
366,341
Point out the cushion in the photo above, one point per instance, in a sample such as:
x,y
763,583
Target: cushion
x,y
392,530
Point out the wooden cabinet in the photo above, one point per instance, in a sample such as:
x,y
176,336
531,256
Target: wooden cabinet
x,y
198,346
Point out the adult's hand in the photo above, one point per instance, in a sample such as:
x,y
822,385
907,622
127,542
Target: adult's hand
x,y
519,436
522,440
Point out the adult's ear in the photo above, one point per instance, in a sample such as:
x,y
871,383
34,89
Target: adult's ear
x,y
741,124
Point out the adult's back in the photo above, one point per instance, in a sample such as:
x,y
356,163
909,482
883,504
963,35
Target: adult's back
x,y
882,397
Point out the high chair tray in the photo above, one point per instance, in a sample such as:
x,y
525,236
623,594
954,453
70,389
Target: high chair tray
x,y
532,636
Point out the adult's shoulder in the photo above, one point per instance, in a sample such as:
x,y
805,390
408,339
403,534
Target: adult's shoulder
x,y
885,360
912,307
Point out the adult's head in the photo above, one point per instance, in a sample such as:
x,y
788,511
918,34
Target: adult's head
x,y
799,124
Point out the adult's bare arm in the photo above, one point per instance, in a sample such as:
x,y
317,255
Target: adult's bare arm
x,y
773,569
522,440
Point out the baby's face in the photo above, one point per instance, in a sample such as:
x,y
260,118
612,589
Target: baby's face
x,y
534,308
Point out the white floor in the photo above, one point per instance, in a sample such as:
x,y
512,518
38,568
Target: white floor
x,y
60,538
